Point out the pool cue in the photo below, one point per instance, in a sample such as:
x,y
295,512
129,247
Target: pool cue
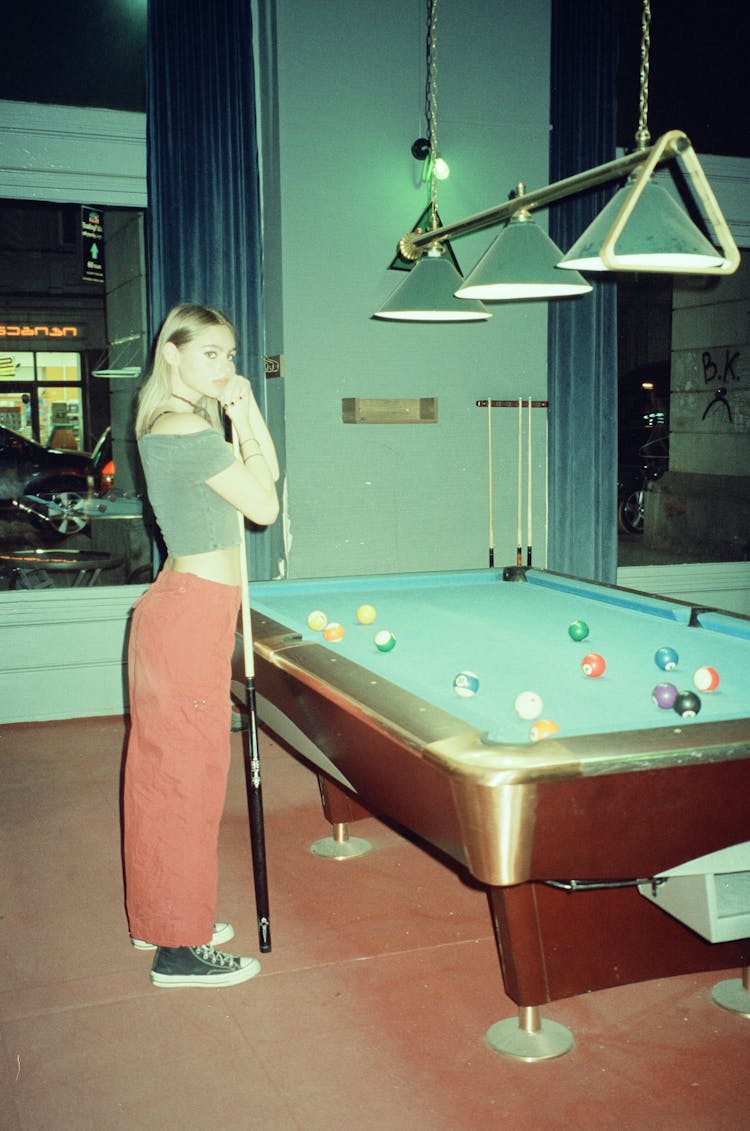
x,y
491,524
250,747
528,495
546,482
519,504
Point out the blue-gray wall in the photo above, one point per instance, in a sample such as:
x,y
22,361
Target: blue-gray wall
x,y
351,90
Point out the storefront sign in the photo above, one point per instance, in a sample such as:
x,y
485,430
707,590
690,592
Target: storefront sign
x,y
23,331
92,244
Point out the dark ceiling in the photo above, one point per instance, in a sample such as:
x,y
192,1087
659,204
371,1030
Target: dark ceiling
x,y
85,54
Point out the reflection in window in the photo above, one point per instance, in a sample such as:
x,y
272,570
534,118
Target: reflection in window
x,y
41,396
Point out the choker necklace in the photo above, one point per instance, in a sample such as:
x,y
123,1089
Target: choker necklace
x,y
184,400
199,409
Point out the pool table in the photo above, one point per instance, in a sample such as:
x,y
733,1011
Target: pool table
x,y
561,830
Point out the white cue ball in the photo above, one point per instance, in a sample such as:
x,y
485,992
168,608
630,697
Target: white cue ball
x,y
528,705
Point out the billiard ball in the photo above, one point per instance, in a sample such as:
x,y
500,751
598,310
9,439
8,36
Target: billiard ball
x,y
687,704
544,728
666,659
366,614
578,630
664,695
528,705
333,631
466,684
593,665
317,620
385,640
706,679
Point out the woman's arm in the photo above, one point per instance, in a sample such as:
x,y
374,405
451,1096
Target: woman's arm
x,y
249,483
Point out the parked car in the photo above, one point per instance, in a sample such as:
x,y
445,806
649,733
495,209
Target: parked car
x,y
45,486
104,463
643,440
633,481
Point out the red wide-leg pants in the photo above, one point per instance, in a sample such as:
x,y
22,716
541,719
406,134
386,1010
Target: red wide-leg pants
x,y
179,671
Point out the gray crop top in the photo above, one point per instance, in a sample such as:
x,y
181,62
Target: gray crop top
x,y
191,517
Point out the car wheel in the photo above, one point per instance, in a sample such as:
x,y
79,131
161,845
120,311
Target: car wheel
x,y
63,511
630,512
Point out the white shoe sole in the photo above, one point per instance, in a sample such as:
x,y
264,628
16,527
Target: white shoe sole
x,y
223,932
248,970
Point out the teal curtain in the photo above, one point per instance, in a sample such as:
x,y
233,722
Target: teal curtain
x,y
583,331
204,215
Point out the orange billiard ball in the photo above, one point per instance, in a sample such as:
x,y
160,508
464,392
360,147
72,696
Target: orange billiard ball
x,y
543,728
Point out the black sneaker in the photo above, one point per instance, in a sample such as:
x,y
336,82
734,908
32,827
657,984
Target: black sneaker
x,y
200,966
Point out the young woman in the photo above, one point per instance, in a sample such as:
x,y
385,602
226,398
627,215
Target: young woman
x,y
181,643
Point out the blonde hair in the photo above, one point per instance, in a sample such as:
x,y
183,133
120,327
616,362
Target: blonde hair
x,y
181,325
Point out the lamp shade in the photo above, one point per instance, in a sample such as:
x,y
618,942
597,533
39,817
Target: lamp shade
x,y
521,264
427,294
658,235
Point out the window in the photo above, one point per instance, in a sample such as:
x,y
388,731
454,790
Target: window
x,y
41,396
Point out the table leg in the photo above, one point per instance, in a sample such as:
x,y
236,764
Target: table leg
x,y
339,808
734,994
529,1037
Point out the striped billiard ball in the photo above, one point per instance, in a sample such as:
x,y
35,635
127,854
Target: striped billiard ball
x,y
706,679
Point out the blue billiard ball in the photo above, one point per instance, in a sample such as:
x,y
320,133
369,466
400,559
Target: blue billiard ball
x,y
466,684
666,659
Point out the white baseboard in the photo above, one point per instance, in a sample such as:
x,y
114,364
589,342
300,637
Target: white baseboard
x,y
62,652
720,585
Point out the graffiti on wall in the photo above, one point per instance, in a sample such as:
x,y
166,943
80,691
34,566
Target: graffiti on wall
x,y
720,375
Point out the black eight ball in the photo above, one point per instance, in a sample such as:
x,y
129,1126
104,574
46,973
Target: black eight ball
x,y
687,704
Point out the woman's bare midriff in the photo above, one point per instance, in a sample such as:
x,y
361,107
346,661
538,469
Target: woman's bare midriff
x,y
222,566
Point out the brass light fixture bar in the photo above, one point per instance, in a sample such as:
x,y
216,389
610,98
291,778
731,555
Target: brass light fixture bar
x,y
642,163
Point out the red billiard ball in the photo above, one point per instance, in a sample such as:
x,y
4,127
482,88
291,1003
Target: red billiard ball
x,y
706,679
593,665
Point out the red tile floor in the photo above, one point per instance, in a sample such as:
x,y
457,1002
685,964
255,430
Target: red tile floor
x,y
369,1013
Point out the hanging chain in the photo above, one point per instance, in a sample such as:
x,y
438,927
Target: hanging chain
x,y
431,104
642,135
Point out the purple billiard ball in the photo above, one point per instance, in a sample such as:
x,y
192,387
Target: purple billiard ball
x,y
664,695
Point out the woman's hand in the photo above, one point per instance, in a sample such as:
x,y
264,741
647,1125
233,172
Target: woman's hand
x,y
236,400
239,403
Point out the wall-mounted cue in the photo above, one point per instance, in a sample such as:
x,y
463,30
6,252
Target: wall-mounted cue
x,y
519,503
490,503
251,751
528,493
519,404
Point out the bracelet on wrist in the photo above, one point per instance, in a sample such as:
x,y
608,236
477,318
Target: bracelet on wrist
x,y
250,440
